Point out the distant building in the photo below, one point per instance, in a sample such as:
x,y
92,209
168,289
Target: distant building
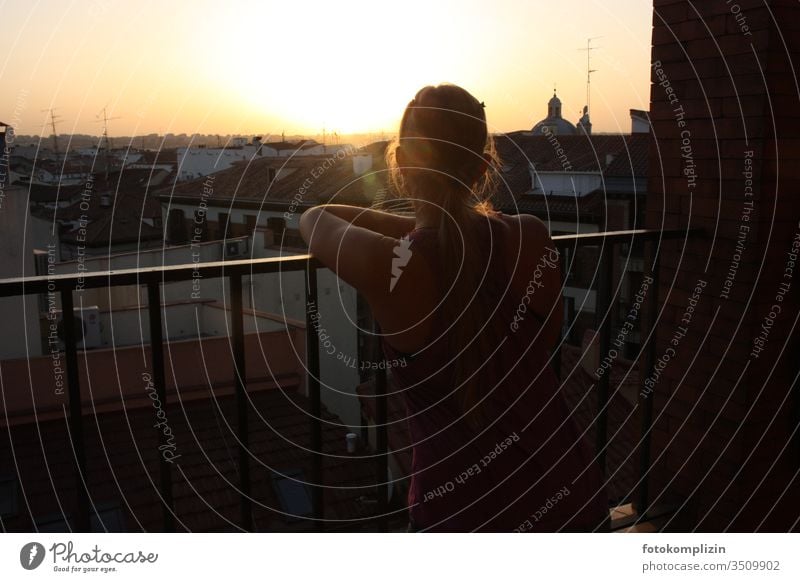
x,y
554,123
198,161
103,216
577,184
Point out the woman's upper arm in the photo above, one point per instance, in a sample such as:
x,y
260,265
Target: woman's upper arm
x,y
393,225
543,261
359,256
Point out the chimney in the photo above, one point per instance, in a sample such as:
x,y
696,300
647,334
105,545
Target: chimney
x,y
640,121
362,163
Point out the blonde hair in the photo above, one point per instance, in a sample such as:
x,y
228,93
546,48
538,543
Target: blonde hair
x,y
447,147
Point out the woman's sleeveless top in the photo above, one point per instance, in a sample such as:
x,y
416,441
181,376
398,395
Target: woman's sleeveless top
x,y
529,469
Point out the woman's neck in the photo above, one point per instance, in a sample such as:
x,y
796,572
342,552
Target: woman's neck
x,y
427,215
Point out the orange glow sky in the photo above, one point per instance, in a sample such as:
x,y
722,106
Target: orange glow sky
x,y
263,67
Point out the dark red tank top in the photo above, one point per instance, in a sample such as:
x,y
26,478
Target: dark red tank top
x,y
529,469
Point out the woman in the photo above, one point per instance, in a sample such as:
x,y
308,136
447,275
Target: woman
x,y
471,299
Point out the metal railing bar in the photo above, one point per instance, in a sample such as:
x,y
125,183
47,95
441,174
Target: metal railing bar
x,y
630,236
603,313
646,400
184,272
159,383
240,382
315,401
82,520
381,438
163,274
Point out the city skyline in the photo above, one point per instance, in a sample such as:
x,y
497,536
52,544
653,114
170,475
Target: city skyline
x,y
268,68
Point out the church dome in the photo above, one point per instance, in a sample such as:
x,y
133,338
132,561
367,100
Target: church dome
x,y
554,123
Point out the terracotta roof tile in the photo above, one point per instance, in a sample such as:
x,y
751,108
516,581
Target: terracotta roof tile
x,y
122,460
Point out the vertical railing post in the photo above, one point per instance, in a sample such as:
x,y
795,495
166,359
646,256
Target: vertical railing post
x,y
315,400
556,357
381,438
794,418
240,378
159,383
645,399
82,520
603,313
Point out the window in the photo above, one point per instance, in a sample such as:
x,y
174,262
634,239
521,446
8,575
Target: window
x,y
250,223
276,225
176,231
222,225
292,239
200,224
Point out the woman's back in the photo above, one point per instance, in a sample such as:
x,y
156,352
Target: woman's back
x,y
529,468
472,300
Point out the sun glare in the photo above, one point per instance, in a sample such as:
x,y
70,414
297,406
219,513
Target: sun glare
x,y
354,76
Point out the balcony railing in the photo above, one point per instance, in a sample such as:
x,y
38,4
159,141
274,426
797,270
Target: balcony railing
x,y
154,278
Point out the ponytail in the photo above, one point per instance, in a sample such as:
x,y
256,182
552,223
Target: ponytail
x,y
446,126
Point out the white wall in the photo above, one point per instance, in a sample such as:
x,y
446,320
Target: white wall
x,y
235,215
282,294
565,183
19,236
195,162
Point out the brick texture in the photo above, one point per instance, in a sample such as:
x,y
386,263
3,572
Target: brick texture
x,y
724,412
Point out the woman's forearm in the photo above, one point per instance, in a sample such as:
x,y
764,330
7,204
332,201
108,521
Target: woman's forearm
x,y
375,220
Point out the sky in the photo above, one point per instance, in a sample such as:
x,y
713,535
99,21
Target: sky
x,y
266,67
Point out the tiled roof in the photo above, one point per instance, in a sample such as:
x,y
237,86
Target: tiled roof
x,y
131,200
119,228
290,145
122,462
321,180
45,193
623,423
583,153
578,209
613,155
623,427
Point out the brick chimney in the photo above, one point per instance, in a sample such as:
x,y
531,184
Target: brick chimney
x,y
725,157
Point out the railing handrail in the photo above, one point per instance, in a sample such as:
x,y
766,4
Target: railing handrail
x,y
159,274
187,271
621,236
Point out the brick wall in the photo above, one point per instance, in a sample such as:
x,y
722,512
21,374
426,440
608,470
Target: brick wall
x,y
723,92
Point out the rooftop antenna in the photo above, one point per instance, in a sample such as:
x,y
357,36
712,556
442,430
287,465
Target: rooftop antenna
x,y
589,70
53,119
105,119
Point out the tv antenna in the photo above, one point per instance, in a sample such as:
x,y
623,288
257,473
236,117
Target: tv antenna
x,y
589,70
103,116
53,119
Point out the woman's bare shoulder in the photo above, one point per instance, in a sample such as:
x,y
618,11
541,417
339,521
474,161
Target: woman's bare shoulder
x,y
526,226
